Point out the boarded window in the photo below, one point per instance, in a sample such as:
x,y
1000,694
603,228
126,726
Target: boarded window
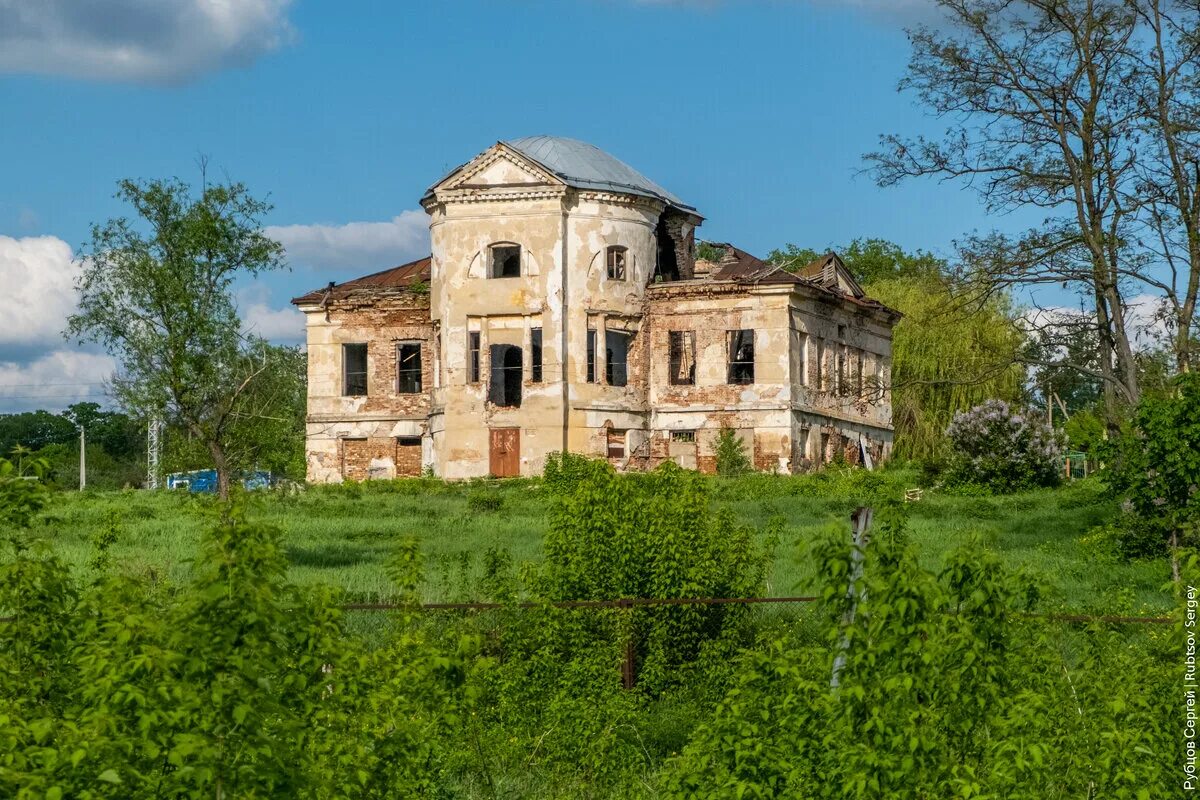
x,y
505,386
616,357
408,370
354,370
616,263
682,349
683,437
535,355
616,443
506,261
741,357
591,355
473,357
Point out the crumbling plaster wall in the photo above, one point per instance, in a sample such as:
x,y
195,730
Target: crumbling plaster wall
x,y
383,414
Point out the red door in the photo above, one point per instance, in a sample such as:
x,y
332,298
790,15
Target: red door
x,y
505,456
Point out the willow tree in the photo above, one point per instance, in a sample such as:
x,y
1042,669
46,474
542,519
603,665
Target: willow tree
x,y
157,293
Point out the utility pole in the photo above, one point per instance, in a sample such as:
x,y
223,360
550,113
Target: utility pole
x,y
82,459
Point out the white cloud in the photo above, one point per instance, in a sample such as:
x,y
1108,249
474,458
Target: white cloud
x,y
363,245
38,273
161,41
279,325
55,380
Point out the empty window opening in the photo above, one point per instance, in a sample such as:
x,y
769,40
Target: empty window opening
x,y
616,443
408,370
741,357
616,263
409,441
473,357
684,437
616,357
535,355
505,386
841,332
591,355
667,266
682,357
506,261
860,386
802,355
840,376
354,370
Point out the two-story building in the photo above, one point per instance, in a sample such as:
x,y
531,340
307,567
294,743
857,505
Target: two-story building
x,y
564,308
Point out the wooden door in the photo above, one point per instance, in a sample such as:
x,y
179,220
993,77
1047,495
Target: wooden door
x,y
505,457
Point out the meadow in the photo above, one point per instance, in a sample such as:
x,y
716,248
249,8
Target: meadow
x,y
344,535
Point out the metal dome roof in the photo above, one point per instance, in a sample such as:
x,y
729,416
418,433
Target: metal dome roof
x,y
586,166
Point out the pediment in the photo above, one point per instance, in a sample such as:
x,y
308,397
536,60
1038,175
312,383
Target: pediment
x,y
499,167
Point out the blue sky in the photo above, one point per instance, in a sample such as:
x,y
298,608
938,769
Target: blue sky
x,y
758,113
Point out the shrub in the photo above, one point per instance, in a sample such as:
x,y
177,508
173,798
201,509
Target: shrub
x,y
485,501
1156,469
999,450
731,454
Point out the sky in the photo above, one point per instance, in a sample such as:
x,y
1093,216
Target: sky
x,y
342,114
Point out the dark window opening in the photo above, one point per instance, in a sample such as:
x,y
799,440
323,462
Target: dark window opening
x,y
473,357
686,437
591,355
505,386
840,375
682,347
616,443
860,387
667,268
535,355
408,369
616,357
616,263
741,357
354,370
409,441
506,261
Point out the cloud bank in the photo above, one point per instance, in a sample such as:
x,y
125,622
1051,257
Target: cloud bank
x,y
141,41
365,245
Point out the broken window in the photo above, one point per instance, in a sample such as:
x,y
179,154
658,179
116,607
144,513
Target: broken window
x,y
667,266
741,357
506,261
504,388
682,357
354,370
473,357
535,355
616,443
840,386
616,263
408,441
591,355
684,437
841,332
408,369
616,357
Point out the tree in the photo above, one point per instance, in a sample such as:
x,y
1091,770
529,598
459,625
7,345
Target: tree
x,y
1045,116
160,300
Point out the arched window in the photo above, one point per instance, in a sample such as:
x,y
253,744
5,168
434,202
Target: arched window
x,y
506,260
617,262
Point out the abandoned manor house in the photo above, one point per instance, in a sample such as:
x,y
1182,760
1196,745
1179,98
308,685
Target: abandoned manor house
x,y
568,306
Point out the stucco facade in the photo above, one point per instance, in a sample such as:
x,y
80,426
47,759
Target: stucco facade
x,y
563,308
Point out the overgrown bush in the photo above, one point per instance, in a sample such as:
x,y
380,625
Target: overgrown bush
x,y
731,454
1155,468
996,449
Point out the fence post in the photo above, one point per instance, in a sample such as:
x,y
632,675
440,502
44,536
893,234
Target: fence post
x,y
856,592
627,662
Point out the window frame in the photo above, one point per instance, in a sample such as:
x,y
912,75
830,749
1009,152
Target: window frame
x,y
474,348
675,357
617,271
736,339
400,369
535,355
610,335
492,252
591,355
684,436
346,373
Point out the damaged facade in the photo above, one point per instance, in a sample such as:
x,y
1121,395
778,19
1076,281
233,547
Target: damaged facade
x,y
564,308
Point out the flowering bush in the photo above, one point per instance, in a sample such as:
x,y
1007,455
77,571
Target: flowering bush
x,y
997,449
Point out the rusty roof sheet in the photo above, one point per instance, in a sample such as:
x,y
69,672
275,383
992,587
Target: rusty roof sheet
x,y
385,281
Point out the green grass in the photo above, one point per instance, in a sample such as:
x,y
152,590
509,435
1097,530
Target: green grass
x,y
344,535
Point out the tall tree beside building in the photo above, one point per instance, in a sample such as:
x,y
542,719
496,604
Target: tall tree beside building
x,y
156,292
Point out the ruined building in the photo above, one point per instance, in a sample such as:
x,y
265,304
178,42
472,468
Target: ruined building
x,y
567,305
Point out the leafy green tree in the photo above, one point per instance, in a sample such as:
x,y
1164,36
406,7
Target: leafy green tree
x,y
34,430
731,454
159,297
